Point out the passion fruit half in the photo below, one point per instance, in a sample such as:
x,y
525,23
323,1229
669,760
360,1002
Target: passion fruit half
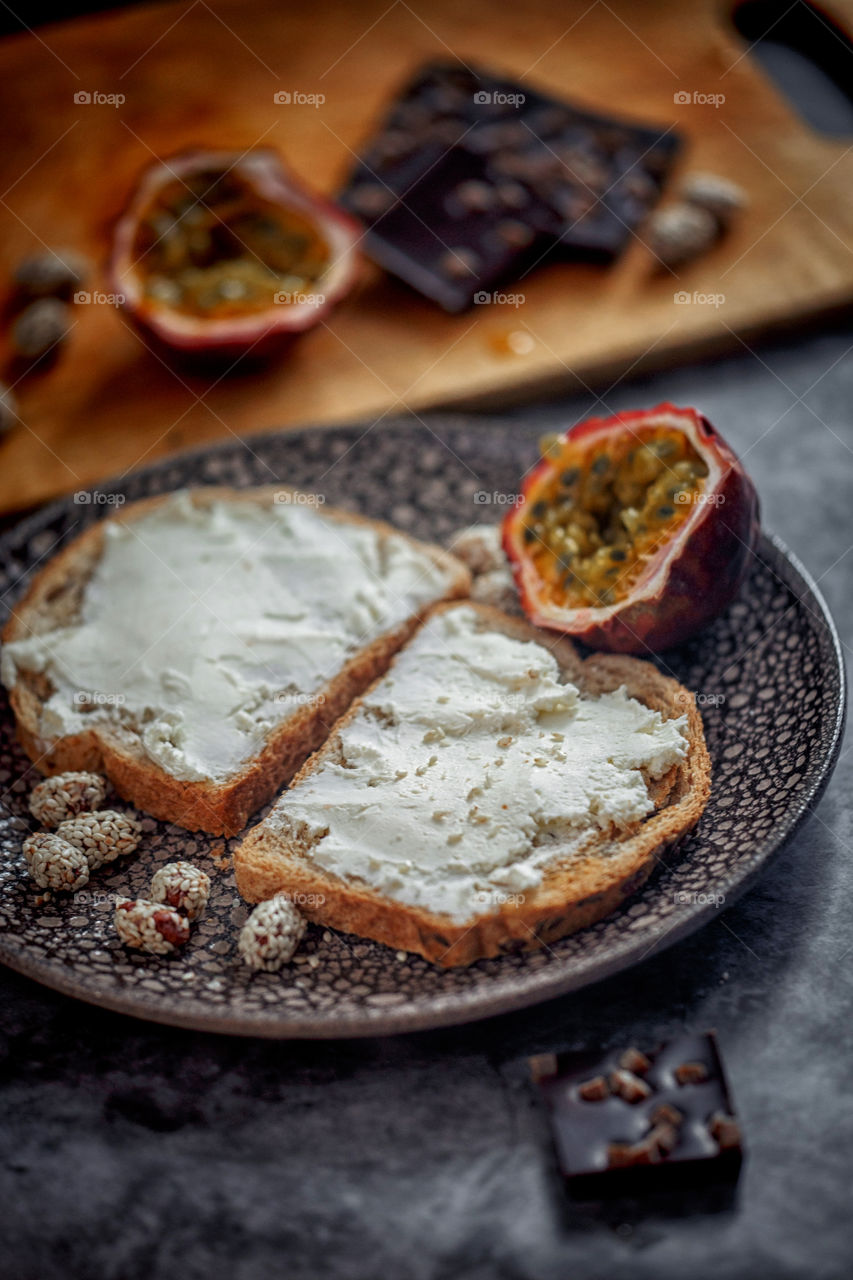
x,y
219,254
633,532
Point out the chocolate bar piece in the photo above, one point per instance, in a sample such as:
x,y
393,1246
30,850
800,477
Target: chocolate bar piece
x,y
473,177
430,115
627,1121
592,178
452,237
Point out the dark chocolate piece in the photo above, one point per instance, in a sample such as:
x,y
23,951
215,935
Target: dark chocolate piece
x,y
670,1132
470,161
446,251
429,115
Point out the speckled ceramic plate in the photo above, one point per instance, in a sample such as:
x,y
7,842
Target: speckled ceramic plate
x,y
768,676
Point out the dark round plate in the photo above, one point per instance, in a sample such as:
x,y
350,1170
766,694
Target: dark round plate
x,y
768,676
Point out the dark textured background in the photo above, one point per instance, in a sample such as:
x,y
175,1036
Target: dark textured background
x,y
135,1152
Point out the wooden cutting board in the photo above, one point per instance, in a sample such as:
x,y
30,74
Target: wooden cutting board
x,y
206,73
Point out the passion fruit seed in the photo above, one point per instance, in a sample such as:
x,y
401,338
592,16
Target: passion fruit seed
x,y
58,272
551,445
662,448
40,326
164,290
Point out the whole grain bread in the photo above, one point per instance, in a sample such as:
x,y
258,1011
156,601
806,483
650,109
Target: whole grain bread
x,y
54,599
574,893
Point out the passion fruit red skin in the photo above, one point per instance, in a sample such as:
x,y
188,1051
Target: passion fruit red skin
x,y
694,576
260,334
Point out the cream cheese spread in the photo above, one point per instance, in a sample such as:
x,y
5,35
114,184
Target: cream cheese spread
x,y
204,626
470,767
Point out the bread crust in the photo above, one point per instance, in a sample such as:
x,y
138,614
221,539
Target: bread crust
x,y
217,808
599,879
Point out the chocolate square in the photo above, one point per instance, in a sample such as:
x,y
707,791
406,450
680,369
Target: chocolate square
x,y
450,237
625,1122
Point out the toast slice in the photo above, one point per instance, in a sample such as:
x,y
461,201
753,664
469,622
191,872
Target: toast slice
x,y
400,808
197,647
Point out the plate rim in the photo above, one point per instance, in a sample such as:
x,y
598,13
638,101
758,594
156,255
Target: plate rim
x,y
475,1006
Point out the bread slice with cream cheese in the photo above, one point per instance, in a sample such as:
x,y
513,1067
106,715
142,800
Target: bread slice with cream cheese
x,y
490,793
197,647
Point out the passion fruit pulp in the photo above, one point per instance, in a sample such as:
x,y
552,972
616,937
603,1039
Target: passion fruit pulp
x,y
220,254
211,247
633,532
